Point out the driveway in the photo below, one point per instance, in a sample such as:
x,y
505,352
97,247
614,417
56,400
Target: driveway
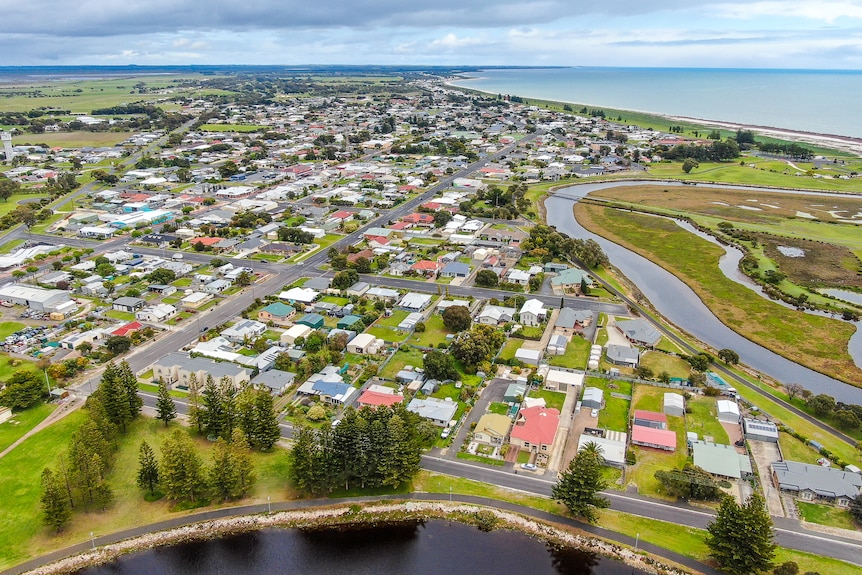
x,y
764,454
490,393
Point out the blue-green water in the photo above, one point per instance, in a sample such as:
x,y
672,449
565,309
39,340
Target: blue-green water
x,y
823,102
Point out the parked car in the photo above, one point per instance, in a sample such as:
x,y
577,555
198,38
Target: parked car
x,y
594,413
529,466
445,433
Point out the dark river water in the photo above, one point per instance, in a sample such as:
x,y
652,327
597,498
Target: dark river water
x,y
677,302
432,548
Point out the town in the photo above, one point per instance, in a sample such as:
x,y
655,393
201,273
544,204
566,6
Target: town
x,y
347,250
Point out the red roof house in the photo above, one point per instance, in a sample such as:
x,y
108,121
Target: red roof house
x,y
376,399
535,429
417,218
651,437
205,241
128,329
426,266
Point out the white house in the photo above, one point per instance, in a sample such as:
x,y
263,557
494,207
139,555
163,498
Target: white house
x,y
532,313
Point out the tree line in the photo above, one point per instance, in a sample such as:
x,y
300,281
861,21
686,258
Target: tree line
x,y
367,448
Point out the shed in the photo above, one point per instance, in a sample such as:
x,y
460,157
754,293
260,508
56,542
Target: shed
x,y
613,450
593,397
312,320
560,380
528,356
515,393
650,419
722,460
728,411
674,404
348,321
758,430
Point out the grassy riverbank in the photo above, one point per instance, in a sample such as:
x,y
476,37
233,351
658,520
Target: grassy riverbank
x,y
817,342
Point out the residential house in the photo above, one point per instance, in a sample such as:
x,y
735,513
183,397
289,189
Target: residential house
x,y
571,279
196,299
312,320
455,270
278,313
127,329
358,289
570,321
328,385
622,355
426,268
75,340
639,331
162,289
811,482
535,430
157,313
721,460
295,332
244,330
495,315
492,429
176,369
656,438
438,411
519,277
274,380
216,286
382,294
365,344
301,295
532,313
414,302
378,397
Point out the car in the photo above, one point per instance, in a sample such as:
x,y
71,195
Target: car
x,y
335,423
594,413
529,466
204,328
445,433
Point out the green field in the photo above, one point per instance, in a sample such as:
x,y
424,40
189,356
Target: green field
x,y
576,356
404,356
819,342
553,399
22,422
435,332
826,515
659,362
510,347
7,328
703,419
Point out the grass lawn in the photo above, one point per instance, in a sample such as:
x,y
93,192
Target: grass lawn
x,y
117,314
182,282
435,332
7,369
553,399
818,342
342,301
659,362
576,356
615,414
481,459
20,473
387,334
510,347
498,408
7,328
703,419
795,450
392,321
22,422
404,356
826,515
150,388
9,246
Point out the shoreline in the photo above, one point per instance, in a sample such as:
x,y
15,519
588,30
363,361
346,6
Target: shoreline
x,y
850,144
356,514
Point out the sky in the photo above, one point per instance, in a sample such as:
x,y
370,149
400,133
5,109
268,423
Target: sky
x,y
644,33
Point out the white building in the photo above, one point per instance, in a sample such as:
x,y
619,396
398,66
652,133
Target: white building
x,y
532,313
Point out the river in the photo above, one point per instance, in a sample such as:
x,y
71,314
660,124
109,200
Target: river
x,y
681,306
430,548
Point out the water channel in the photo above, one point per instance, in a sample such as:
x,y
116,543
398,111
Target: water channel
x,y
681,306
430,548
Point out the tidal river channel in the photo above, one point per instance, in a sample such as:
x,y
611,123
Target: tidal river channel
x,y
432,548
681,306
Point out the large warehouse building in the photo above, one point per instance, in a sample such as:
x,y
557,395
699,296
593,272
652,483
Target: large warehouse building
x,y
37,299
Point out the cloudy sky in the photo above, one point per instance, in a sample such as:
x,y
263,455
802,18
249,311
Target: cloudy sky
x,y
730,33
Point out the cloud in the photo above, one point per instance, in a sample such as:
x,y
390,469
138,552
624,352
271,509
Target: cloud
x,y
827,12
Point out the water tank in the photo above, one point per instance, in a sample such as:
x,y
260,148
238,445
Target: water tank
x,y
593,364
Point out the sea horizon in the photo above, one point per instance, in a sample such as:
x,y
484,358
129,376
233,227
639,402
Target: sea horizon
x,y
802,100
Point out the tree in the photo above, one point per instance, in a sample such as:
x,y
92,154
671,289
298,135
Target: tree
x,y
166,409
113,397
162,276
231,474
479,344
457,318
740,537
644,372
23,389
699,362
786,568
129,386
578,486
793,390
56,510
196,413
487,278
689,483
362,265
729,356
244,279
181,469
440,365
148,468
266,430
689,164
228,169
344,279
117,344
822,404
846,419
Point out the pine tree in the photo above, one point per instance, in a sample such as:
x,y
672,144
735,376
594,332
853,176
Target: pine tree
x,y
266,430
113,397
148,468
242,463
227,397
305,463
579,484
223,478
213,418
740,537
166,409
196,414
181,470
129,384
55,505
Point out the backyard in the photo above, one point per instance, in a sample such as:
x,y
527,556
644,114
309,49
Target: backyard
x,y
703,419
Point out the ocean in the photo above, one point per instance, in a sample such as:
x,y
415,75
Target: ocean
x,y
818,101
